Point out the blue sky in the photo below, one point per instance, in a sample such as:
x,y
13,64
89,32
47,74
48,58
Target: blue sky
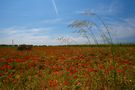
x,y
41,22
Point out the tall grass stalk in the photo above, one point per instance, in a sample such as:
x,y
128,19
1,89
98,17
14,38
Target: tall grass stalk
x,y
84,28
110,41
87,27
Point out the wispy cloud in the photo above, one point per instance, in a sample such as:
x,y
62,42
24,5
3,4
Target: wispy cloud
x,y
24,35
124,29
113,8
55,7
53,21
24,30
36,36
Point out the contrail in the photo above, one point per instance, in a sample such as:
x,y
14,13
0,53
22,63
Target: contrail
x,y
55,7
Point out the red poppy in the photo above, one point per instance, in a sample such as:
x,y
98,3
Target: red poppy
x,y
4,67
66,83
90,69
120,71
53,83
75,77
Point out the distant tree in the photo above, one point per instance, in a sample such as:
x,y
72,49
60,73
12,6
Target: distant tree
x,y
24,47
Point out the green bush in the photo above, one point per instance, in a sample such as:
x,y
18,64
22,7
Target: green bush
x,y
24,47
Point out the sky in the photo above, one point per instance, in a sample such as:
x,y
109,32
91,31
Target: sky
x,y
45,22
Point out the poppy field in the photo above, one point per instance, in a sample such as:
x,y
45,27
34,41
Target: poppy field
x,y
67,68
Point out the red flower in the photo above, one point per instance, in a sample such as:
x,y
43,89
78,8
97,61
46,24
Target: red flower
x,y
20,60
10,60
127,62
101,66
85,65
75,77
72,70
120,71
66,83
27,58
53,83
92,70
106,70
55,73
5,67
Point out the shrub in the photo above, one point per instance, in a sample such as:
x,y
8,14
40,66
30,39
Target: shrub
x,y
24,47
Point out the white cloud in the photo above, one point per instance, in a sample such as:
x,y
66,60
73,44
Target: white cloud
x,y
124,29
12,31
113,8
24,35
36,36
53,21
44,36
